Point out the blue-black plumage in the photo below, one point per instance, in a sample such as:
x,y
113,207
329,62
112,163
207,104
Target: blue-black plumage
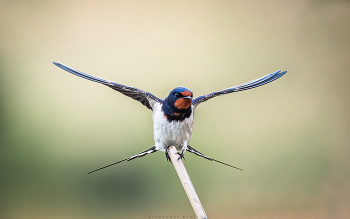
x,y
173,116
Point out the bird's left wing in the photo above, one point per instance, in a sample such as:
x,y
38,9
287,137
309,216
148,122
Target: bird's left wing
x,y
249,85
147,99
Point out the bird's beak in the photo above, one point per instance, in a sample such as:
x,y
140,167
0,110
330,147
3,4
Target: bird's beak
x,y
187,97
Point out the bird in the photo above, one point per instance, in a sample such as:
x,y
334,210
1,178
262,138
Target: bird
x,y
173,115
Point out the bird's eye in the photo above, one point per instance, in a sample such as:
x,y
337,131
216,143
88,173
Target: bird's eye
x,y
178,95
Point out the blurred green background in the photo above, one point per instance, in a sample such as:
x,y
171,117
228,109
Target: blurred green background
x,y
291,137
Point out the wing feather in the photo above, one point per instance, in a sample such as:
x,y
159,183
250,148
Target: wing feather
x,y
249,85
147,99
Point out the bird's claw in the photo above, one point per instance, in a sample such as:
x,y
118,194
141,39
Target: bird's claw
x,y
168,159
167,155
181,156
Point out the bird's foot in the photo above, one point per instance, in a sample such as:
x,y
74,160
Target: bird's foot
x,y
167,155
181,155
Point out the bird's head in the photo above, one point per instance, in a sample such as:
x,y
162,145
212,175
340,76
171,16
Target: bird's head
x,y
180,98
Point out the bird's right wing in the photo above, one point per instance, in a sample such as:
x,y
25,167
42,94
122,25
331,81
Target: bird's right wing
x,y
147,99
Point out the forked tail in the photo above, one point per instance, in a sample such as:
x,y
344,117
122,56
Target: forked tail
x,y
153,149
143,153
193,151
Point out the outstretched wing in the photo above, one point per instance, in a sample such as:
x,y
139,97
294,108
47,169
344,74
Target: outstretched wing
x,y
256,83
145,98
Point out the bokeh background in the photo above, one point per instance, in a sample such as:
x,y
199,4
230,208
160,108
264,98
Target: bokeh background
x,y
291,137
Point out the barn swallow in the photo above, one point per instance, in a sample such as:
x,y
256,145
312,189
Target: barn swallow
x,y
172,116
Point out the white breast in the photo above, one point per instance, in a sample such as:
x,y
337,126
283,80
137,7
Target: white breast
x,y
173,133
